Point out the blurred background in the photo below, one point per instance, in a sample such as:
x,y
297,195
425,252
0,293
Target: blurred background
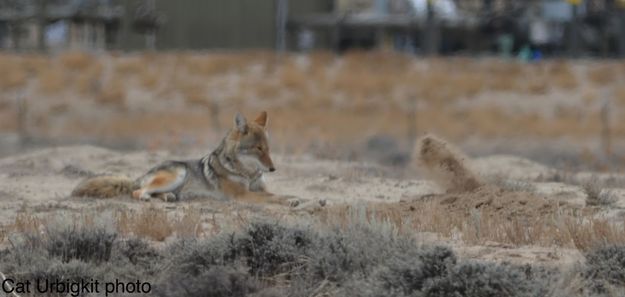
x,y
341,79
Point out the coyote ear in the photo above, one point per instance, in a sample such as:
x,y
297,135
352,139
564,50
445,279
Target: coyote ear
x,y
261,119
240,123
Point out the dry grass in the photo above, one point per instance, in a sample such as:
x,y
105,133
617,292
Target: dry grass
x,y
26,223
13,75
292,77
219,63
89,81
566,229
149,222
602,75
52,81
76,61
323,98
194,93
562,76
152,223
150,79
189,224
587,234
113,93
129,66
157,224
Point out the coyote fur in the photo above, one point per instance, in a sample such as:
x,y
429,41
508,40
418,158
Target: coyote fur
x,y
234,170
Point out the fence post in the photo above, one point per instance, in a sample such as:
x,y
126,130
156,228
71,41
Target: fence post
x,y
412,120
282,13
431,31
574,32
41,24
22,110
606,133
620,27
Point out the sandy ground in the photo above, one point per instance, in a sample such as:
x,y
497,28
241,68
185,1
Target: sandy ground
x,y
40,182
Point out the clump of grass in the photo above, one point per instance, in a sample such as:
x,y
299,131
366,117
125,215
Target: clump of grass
x,y
25,222
156,224
149,222
587,234
596,195
189,224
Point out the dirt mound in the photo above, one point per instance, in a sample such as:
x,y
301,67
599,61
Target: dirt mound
x,y
490,201
445,165
465,194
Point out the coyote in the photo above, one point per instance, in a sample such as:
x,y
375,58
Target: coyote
x,y
233,170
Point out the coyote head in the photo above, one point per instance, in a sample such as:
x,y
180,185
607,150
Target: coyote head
x,y
252,148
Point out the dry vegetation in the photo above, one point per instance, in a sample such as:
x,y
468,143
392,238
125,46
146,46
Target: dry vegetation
x,y
562,229
488,216
477,212
365,255
328,98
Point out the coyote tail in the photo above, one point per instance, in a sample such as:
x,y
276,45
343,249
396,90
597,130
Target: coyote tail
x,y
105,187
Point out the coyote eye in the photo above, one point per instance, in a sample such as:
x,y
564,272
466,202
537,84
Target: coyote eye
x,y
259,148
